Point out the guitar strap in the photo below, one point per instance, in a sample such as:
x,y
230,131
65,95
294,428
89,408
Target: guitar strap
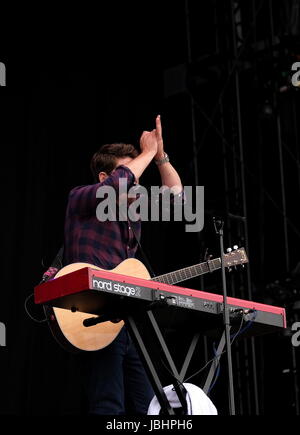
x,y
56,265
145,258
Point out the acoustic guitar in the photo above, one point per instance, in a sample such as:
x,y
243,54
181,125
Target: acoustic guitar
x,y
68,328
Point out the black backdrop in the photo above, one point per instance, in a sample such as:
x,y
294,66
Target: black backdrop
x,y
88,77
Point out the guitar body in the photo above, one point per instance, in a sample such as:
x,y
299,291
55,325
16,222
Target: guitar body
x,y
67,326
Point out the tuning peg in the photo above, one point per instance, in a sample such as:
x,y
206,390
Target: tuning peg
x,y
235,247
207,256
228,249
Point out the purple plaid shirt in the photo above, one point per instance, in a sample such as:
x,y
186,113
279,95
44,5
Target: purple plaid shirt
x,y
103,244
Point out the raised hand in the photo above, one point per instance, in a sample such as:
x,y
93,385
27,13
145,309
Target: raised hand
x,y
148,142
160,142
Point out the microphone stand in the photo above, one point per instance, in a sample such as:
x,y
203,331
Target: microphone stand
x,y
219,224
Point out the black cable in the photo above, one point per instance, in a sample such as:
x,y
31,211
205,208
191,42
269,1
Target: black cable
x,y
28,313
240,331
233,336
204,367
217,374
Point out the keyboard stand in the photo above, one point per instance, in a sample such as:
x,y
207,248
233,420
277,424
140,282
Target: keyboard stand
x,y
149,348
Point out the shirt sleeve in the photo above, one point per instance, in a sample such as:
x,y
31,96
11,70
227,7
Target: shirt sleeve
x,y
83,200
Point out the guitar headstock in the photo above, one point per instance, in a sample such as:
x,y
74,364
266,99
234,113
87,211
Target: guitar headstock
x,y
235,257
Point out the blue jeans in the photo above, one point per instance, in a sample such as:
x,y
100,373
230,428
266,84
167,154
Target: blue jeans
x,y
115,379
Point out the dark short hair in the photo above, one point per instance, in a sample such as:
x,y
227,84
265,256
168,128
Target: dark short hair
x,y
105,159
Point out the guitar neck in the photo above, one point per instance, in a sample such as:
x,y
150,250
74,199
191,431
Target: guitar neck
x,y
189,272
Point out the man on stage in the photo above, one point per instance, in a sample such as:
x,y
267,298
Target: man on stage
x,y
114,378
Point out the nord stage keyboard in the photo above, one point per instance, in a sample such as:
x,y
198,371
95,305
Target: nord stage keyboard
x,y
94,291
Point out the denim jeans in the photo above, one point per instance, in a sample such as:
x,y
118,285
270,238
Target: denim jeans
x,y
115,379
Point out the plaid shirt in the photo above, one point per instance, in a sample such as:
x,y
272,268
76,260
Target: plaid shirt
x,y
88,240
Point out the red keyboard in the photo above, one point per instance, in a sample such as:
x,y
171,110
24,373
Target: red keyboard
x,y
95,291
